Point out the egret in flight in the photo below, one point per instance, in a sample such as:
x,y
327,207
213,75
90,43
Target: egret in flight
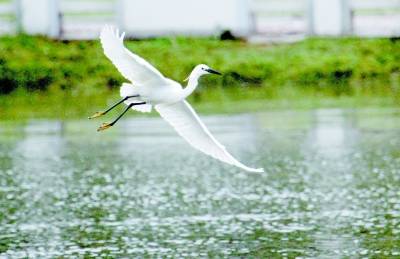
x,y
149,88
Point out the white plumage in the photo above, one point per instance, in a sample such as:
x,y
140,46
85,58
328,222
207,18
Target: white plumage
x,y
166,95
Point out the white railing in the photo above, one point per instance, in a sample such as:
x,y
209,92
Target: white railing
x,y
279,7
8,17
280,17
75,6
6,7
285,17
83,19
376,17
374,4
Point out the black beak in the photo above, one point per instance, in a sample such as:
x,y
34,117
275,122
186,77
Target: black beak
x,y
209,70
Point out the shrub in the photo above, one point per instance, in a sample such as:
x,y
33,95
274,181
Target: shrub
x,y
325,65
7,81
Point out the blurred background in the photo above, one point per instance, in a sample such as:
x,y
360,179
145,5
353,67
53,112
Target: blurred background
x,y
310,91
287,52
73,19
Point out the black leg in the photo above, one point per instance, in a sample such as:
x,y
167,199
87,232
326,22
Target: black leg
x,y
105,126
98,114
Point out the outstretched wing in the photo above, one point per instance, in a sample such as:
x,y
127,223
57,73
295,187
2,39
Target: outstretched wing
x,y
185,121
131,66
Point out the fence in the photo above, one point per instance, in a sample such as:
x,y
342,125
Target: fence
x,y
376,17
280,17
8,17
358,17
82,19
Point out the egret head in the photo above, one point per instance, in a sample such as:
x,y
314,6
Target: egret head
x,y
200,70
204,69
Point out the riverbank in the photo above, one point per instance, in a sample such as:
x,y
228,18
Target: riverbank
x,y
42,78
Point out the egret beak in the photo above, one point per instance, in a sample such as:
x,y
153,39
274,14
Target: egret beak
x,y
211,71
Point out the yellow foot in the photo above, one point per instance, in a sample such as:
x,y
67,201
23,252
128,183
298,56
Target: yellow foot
x,y
104,126
97,114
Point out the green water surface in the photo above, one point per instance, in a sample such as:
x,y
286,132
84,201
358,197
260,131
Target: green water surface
x,y
331,188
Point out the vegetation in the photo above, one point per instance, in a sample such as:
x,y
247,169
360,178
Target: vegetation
x,y
40,77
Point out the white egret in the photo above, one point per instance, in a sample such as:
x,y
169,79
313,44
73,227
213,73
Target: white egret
x,y
148,88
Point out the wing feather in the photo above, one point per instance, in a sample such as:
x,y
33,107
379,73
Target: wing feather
x,y
131,66
185,121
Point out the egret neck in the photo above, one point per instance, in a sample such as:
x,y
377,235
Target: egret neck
x,y
192,84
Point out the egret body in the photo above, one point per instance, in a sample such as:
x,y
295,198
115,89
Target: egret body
x,y
148,88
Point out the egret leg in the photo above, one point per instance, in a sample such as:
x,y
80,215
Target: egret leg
x,y
98,114
105,126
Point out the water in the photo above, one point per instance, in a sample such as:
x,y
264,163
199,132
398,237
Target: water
x,y
331,188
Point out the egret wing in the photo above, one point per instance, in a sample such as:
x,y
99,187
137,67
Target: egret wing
x,y
131,66
185,121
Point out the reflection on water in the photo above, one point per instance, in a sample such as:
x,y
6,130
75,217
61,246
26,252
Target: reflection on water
x,y
331,188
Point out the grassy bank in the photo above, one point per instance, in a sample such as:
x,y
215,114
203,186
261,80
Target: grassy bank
x,y
45,78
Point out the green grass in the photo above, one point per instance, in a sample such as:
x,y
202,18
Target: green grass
x,y
45,78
